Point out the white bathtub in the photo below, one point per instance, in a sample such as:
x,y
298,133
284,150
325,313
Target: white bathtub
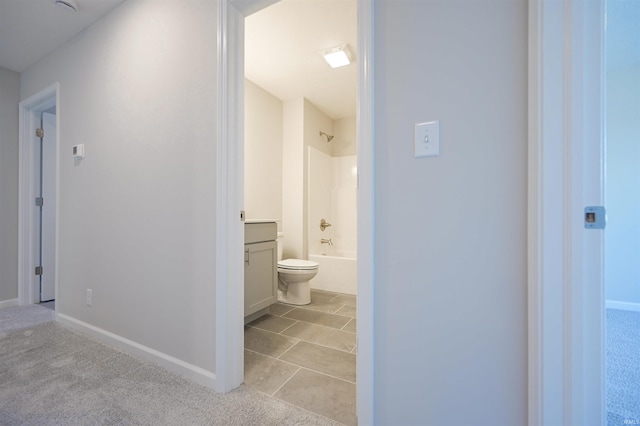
x,y
336,273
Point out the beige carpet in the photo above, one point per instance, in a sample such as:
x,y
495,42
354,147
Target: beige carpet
x,y
51,375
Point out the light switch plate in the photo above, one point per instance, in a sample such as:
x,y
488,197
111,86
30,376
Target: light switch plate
x,y
427,139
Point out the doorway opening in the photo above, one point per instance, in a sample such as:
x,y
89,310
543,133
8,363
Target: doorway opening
x,y
230,198
38,189
301,171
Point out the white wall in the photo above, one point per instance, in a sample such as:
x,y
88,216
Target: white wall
x,y
450,317
344,142
9,98
293,180
622,249
137,215
301,129
262,154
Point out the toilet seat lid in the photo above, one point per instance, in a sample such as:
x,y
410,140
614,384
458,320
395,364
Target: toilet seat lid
x,y
297,264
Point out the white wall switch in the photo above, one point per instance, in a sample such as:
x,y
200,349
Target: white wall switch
x,y
427,139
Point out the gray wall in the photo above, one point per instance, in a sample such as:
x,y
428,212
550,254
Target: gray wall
x,y
137,215
622,248
9,98
450,315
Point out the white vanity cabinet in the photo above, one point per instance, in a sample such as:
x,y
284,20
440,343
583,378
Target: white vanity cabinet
x,y
260,266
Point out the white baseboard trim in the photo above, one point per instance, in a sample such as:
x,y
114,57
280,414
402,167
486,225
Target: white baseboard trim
x,y
625,306
335,289
9,303
175,365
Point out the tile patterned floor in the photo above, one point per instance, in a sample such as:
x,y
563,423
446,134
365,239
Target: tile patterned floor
x,y
306,355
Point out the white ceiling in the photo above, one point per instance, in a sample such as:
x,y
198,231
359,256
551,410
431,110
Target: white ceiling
x,y
282,45
30,29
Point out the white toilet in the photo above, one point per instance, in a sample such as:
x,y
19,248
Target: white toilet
x,y
293,281
293,278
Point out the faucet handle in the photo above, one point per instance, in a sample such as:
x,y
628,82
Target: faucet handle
x,y
324,224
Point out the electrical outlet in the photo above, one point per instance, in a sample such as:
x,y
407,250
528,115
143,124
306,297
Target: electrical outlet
x,y
89,297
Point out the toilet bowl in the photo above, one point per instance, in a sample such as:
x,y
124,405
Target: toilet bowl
x,y
293,280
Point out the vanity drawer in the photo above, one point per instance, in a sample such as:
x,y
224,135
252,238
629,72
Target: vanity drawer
x,y
260,231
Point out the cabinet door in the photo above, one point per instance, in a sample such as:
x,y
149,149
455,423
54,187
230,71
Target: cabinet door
x,y
260,276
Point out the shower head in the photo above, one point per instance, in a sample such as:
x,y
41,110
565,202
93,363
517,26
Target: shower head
x,y
329,137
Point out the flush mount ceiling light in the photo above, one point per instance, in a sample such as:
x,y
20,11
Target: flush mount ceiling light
x,y
68,5
337,56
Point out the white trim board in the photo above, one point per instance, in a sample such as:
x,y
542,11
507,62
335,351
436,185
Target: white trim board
x,y
623,306
175,365
9,303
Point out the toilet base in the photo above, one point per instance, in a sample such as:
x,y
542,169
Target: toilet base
x,y
296,294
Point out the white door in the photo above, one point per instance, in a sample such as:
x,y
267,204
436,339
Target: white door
x,y
48,209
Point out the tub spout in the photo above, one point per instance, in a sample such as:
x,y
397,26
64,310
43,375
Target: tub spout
x,y
326,241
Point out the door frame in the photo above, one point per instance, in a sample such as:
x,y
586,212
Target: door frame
x,y
230,198
565,261
29,121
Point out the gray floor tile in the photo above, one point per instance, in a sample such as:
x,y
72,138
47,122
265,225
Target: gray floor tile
x,y
279,309
324,306
317,295
271,323
265,373
333,362
266,343
316,317
347,311
332,398
351,326
345,299
324,336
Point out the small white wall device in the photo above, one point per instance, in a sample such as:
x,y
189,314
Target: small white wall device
x,y
78,152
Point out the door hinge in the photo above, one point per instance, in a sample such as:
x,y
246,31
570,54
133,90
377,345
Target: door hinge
x,y
40,133
242,215
38,270
39,201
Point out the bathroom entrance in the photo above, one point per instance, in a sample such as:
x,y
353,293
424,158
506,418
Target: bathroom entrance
x,y
301,171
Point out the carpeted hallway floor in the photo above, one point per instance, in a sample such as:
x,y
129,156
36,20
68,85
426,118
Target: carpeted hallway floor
x,y
51,375
623,367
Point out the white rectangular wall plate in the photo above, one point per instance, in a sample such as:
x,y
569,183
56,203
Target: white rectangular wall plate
x,y
78,152
427,139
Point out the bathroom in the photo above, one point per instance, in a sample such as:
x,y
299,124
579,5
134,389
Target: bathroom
x,y
300,171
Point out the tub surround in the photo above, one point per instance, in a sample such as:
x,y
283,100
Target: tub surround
x,y
336,273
